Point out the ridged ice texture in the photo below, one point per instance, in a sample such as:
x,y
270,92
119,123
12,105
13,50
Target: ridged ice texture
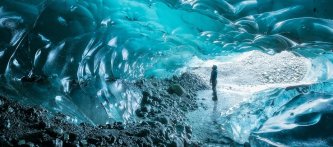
x,y
87,49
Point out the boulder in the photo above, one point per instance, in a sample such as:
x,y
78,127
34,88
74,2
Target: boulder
x,y
176,89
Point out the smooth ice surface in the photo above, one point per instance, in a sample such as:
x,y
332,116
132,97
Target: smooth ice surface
x,y
80,57
206,121
243,83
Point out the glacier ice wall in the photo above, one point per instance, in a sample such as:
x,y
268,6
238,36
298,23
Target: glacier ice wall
x,y
79,57
86,52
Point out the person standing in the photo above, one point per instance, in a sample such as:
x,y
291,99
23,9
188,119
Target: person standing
x,y
213,81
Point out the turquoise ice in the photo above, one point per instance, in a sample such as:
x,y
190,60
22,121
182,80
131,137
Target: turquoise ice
x,y
90,52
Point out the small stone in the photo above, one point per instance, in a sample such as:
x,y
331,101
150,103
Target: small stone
x,y
177,142
157,98
188,129
120,141
84,142
108,126
247,144
139,113
176,89
180,129
119,125
163,120
145,108
21,142
10,109
30,144
75,143
7,124
147,93
31,111
57,143
55,131
112,139
66,137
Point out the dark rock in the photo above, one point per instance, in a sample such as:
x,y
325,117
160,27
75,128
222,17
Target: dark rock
x,y
112,139
176,89
161,145
85,124
4,141
146,93
107,126
143,133
36,137
188,129
72,136
34,78
163,120
42,125
177,142
119,125
55,131
31,111
180,129
145,108
109,78
139,113
157,98
93,141
102,142
157,139
146,100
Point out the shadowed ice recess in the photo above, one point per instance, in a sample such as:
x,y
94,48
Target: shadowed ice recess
x,y
81,58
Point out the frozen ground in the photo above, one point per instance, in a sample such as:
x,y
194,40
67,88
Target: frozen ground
x,y
205,120
255,71
240,78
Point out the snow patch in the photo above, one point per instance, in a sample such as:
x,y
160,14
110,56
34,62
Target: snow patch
x,y
255,71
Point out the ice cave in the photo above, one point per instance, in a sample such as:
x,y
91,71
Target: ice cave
x,y
139,73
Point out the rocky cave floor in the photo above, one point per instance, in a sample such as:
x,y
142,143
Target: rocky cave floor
x,y
161,120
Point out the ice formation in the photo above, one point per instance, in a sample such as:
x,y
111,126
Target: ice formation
x,y
80,57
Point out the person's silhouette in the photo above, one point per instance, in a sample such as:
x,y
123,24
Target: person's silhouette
x,y
214,95
215,113
213,81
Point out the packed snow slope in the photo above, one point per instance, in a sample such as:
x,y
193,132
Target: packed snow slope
x,y
80,56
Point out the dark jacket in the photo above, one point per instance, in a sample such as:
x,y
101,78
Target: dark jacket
x,y
213,76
